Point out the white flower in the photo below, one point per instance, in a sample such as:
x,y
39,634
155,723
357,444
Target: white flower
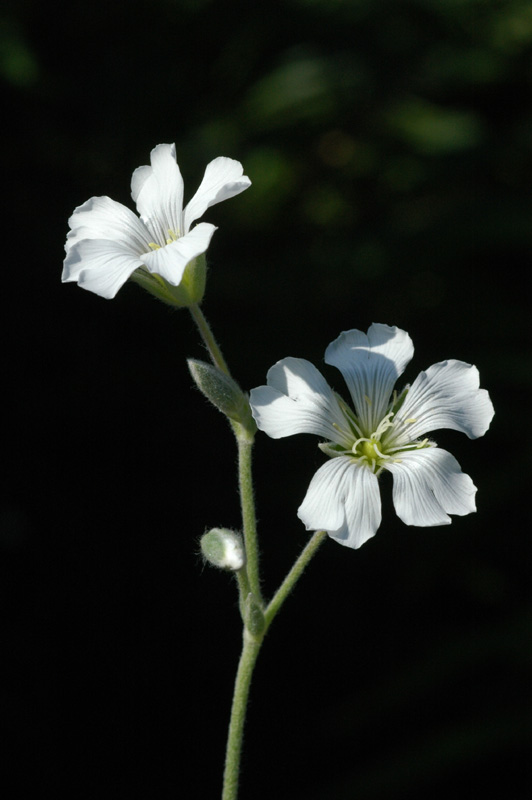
x,y
107,242
385,431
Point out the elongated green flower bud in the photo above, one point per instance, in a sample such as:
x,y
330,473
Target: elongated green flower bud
x,y
222,391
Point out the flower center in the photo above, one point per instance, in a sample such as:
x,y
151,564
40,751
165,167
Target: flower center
x,y
370,452
374,449
367,449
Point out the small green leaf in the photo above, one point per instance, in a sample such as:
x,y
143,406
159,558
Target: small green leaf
x,y
254,616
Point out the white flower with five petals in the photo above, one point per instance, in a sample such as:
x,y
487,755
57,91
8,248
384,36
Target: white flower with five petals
x,y
108,243
384,430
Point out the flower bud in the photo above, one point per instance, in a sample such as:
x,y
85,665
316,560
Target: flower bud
x,y
222,391
223,548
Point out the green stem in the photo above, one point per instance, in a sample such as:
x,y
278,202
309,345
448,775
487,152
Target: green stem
x,y
250,650
247,503
248,657
249,579
208,337
244,436
244,589
293,576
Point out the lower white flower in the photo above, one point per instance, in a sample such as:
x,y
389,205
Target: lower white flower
x,y
385,430
107,242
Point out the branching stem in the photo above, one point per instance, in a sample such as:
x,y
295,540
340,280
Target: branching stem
x,y
248,578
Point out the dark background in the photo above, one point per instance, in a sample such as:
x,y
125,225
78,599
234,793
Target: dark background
x,y
389,145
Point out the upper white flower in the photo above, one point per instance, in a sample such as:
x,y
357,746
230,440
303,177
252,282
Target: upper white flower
x,y
108,242
385,431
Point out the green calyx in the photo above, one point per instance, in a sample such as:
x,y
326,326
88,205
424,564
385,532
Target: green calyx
x,y
189,292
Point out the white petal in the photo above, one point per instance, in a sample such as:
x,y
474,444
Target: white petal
x,y
100,266
343,499
428,484
297,399
158,193
447,395
371,365
223,179
170,261
103,218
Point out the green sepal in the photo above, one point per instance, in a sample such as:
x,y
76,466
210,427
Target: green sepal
x,y
332,450
222,391
254,616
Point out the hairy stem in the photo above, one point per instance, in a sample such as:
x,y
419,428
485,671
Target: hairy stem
x,y
250,650
293,576
208,337
247,503
248,657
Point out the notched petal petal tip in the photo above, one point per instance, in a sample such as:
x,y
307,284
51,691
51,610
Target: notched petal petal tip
x,y
223,179
428,485
343,499
101,267
158,193
105,219
163,159
370,364
447,395
297,399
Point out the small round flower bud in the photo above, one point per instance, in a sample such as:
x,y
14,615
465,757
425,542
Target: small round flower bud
x,y
223,548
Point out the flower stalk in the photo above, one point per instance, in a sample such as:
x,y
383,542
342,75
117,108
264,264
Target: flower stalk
x,y
256,616
247,504
251,645
293,576
208,338
250,650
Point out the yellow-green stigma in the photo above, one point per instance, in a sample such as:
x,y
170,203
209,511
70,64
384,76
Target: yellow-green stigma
x,y
368,449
